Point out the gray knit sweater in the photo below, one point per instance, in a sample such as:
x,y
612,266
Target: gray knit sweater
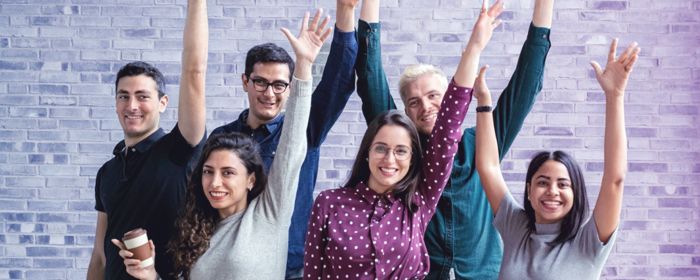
x,y
252,244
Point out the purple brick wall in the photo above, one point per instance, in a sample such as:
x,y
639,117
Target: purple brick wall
x,y
57,126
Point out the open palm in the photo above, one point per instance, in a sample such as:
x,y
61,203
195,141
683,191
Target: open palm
x,y
485,24
613,79
311,37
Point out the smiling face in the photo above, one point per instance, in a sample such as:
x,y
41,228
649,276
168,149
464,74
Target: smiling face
x,y
266,105
138,107
385,168
550,192
226,182
422,99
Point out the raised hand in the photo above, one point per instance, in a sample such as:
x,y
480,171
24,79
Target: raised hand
x,y
485,24
133,267
311,37
481,89
613,79
481,35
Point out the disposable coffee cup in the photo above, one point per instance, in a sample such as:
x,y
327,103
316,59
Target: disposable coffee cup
x,y
136,241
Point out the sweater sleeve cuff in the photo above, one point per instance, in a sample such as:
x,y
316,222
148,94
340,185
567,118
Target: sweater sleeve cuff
x,y
302,87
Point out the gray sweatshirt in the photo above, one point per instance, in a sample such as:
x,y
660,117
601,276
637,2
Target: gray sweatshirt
x,y
252,244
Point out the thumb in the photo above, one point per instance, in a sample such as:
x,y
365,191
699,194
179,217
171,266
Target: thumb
x,y
596,68
288,34
119,244
153,248
482,73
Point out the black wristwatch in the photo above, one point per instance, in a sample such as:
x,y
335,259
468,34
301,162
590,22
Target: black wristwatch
x,y
480,109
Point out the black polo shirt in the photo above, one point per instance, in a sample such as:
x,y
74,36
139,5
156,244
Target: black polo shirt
x,y
144,186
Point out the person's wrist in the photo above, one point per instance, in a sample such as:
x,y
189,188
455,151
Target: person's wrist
x,y
483,108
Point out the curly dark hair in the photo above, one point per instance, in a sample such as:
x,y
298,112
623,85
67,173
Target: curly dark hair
x,y
197,223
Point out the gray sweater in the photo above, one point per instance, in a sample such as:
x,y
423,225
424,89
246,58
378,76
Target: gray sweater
x,y
531,257
252,244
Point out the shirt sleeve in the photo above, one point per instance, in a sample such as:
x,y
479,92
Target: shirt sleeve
x,y
98,202
372,85
277,201
316,235
517,99
442,146
180,151
335,88
589,242
510,219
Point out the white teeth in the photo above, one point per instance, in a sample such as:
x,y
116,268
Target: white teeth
x,y
428,117
552,203
133,117
217,194
383,169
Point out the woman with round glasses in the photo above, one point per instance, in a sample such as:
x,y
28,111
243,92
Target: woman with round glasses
x,y
552,237
373,227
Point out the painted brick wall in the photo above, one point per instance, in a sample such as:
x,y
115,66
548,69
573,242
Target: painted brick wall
x,y
57,122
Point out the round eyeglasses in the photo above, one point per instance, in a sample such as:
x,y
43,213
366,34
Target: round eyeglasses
x,y
382,151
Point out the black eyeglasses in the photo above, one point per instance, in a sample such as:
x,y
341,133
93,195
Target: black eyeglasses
x,y
261,85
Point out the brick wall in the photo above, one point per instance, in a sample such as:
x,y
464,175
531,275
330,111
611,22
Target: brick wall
x,y
57,122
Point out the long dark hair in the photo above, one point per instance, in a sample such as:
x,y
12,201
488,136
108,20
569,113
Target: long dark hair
x,y
406,187
572,222
197,223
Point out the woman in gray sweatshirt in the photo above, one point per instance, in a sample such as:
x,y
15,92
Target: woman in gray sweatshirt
x,y
236,221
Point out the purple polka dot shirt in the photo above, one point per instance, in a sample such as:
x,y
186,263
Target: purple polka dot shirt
x,y
356,233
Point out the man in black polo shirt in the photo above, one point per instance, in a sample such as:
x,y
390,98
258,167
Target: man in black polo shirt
x,y
144,184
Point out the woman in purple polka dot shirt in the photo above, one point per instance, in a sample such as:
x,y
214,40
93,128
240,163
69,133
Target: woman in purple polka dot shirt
x,y
373,227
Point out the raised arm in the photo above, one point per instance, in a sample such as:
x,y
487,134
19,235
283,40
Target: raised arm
x,y
191,115
542,15
372,85
517,99
487,160
442,144
613,81
278,198
338,80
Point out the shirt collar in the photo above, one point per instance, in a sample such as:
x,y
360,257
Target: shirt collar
x,y
548,228
270,126
369,195
141,146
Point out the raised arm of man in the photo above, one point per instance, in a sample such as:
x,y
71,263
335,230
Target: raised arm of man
x,y
191,115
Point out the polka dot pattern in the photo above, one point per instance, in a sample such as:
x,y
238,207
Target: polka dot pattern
x,y
356,233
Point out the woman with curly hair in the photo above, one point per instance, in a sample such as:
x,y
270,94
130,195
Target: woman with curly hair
x,y
236,221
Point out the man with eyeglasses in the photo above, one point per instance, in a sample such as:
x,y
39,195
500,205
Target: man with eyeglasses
x,y
268,71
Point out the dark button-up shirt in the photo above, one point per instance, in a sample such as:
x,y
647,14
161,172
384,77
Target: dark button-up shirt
x,y
356,233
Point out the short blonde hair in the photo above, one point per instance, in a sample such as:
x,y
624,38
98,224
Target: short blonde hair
x,y
413,72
